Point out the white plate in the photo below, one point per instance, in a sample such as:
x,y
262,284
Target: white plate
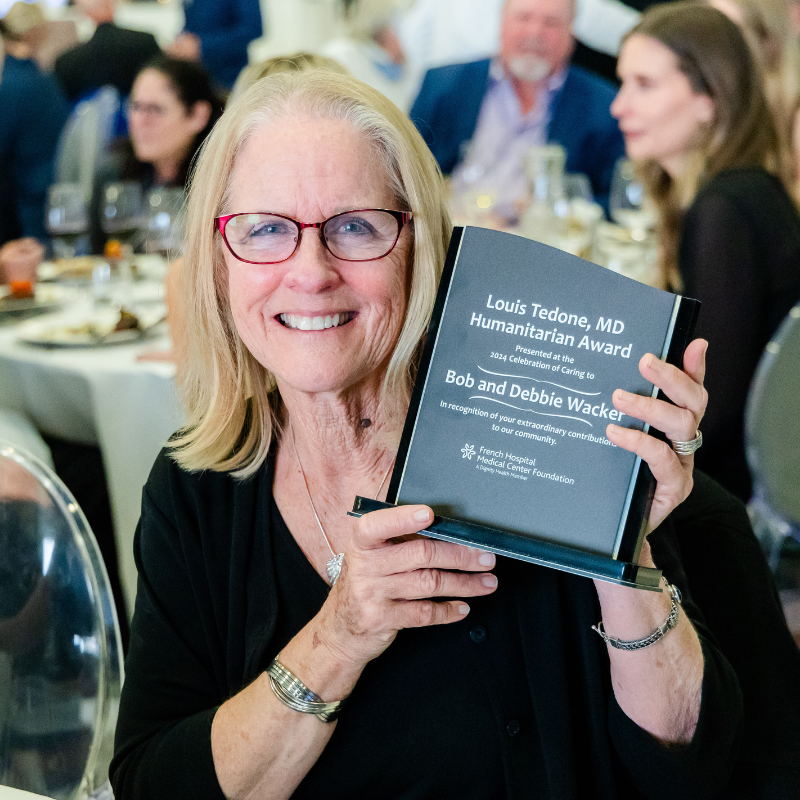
x,y
94,331
45,300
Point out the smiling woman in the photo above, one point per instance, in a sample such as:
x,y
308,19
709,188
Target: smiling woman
x,y
281,648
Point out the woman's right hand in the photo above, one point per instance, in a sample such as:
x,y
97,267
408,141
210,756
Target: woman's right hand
x,y
393,579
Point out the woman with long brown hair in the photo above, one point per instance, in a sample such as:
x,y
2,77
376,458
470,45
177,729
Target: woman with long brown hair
x,y
696,121
767,26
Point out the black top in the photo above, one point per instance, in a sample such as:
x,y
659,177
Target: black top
x,y
740,255
112,57
514,701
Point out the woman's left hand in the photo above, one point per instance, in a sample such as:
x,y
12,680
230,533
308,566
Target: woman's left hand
x,y
679,422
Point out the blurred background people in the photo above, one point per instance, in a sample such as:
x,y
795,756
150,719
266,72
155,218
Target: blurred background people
x,y
371,50
112,57
216,34
32,113
528,95
171,110
439,32
696,120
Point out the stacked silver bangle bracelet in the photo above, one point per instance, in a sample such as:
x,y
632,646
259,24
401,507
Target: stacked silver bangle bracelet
x,y
637,644
292,692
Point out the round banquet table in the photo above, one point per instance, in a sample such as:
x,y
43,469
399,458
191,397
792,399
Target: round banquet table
x,y
98,396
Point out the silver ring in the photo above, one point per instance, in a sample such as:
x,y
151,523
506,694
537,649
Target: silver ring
x,y
687,448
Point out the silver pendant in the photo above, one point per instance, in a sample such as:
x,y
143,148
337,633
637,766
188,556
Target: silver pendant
x,y
334,567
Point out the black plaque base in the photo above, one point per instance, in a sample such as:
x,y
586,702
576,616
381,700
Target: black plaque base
x,y
526,548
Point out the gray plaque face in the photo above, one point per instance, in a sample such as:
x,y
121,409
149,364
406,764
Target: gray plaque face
x,y
510,431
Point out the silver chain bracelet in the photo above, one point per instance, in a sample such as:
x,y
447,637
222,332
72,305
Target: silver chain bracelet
x,y
637,644
292,692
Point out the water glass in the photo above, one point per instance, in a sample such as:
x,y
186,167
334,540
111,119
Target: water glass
x,y
68,220
628,203
123,213
473,198
545,218
165,222
616,249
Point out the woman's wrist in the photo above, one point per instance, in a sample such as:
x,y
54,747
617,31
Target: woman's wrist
x,y
629,613
317,658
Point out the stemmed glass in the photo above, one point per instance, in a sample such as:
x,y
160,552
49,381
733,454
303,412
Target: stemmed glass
x,y
473,200
628,203
124,218
123,213
68,219
164,223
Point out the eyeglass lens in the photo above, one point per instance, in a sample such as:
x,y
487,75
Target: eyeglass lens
x,y
352,236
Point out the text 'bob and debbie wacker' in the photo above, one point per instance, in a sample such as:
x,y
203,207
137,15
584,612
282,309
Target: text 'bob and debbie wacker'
x,y
546,395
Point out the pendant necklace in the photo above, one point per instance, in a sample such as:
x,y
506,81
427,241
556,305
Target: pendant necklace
x,y
334,564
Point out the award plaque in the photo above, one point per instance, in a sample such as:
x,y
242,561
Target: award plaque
x,y
505,434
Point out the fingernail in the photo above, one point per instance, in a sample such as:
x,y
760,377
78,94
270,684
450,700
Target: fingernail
x,y
486,559
611,428
422,515
489,581
463,609
623,395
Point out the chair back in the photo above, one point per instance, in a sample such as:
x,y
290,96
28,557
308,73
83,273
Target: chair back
x,y
60,648
772,423
88,132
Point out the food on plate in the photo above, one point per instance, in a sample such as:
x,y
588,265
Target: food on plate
x,y
127,321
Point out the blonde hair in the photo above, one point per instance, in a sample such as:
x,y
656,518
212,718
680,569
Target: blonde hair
x,y
713,55
231,400
296,62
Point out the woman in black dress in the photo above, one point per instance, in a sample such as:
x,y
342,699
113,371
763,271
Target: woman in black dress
x,y
695,119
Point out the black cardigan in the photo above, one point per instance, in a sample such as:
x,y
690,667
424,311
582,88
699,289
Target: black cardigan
x,y
206,610
740,255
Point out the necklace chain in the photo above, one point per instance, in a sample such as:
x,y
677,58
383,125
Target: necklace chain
x,y
334,564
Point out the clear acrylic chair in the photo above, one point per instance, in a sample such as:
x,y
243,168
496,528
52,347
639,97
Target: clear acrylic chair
x,y
86,137
772,440
60,648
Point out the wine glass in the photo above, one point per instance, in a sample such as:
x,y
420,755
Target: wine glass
x,y
628,203
165,223
68,219
577,186
473,199
123,214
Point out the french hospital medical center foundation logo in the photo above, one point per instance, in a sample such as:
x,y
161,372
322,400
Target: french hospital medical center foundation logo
x,y
468,451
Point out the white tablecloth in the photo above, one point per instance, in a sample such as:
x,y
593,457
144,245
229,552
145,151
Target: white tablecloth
x,y
100,396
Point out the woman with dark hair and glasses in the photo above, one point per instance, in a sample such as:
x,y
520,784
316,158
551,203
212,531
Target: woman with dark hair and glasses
x,y
281,648
171,109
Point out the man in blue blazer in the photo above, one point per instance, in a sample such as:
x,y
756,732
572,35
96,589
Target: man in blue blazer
x,y
527,95
216,34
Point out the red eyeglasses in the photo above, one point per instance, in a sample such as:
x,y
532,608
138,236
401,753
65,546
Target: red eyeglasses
x,y
262,238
